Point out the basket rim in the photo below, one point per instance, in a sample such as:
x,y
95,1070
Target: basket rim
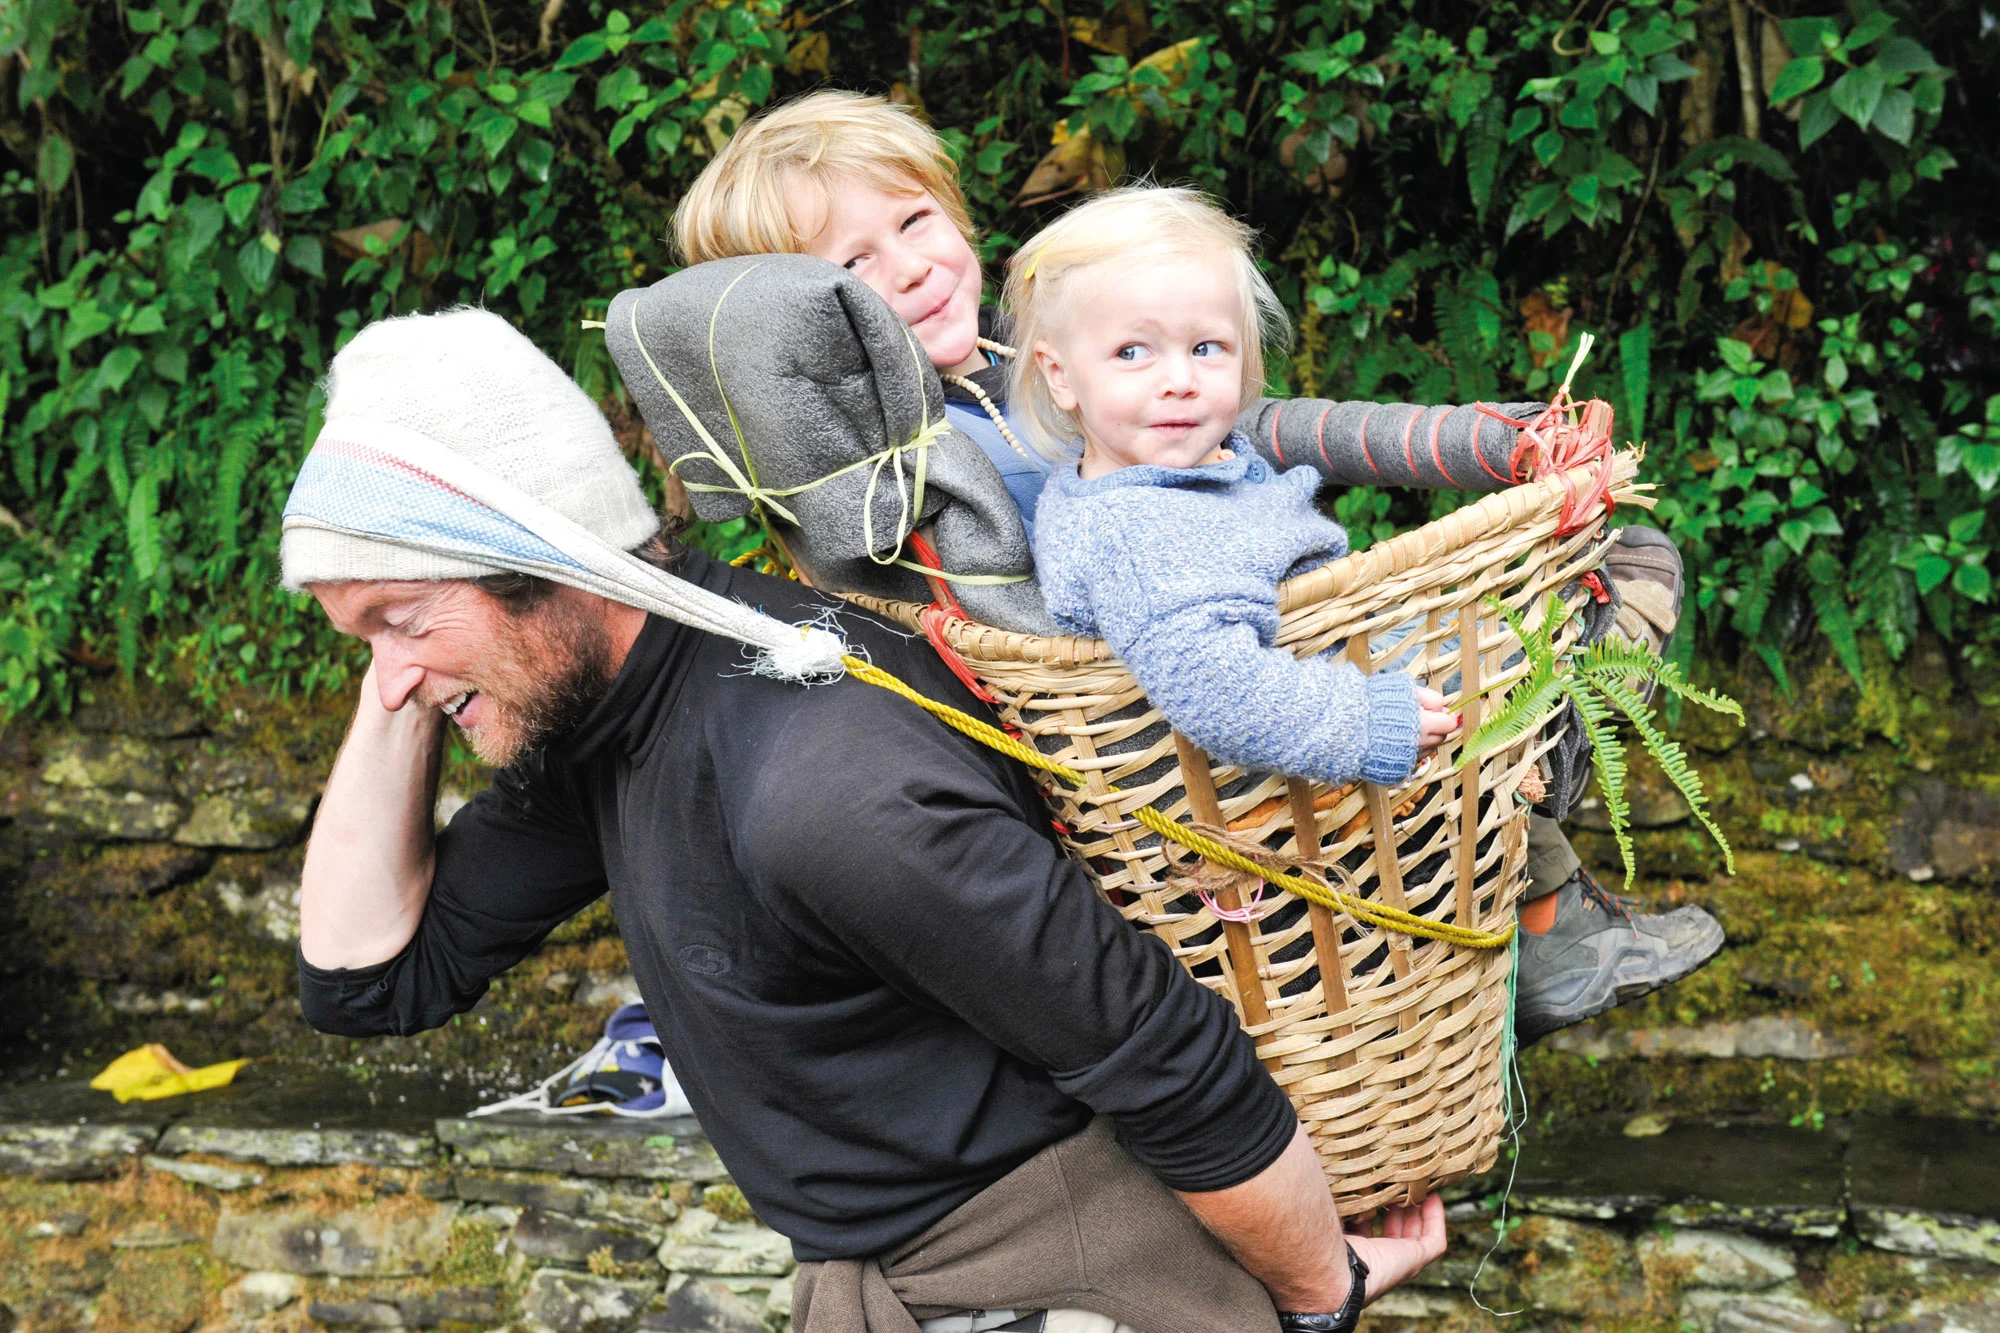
x,y
1508,508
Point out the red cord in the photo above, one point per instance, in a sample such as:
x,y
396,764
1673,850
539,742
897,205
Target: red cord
x,y
943,609
1562,438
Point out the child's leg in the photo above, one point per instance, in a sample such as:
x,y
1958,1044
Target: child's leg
x,y
1646,566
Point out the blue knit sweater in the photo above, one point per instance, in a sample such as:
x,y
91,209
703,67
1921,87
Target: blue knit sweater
x,y
1177,569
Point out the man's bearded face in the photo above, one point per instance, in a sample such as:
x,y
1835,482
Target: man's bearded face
x,y
549,666
513,680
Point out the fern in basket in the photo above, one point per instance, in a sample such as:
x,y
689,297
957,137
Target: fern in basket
x,y
1598,680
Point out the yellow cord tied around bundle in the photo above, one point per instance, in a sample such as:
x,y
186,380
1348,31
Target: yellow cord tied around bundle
x,y
1361,909
766,501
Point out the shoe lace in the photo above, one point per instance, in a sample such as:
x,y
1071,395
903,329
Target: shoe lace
x,y
1597,896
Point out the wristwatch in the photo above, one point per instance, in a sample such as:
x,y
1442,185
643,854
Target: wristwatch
x,y
1342,1320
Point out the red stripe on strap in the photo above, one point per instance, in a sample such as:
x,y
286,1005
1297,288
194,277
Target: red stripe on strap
x,y
1319,435
1480,454
1437,455
1410,430
1365,452
1277,448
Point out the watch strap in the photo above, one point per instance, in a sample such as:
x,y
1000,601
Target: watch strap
x,y
1342,1320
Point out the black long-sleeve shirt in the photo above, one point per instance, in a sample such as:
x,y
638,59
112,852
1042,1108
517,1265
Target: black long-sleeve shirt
x,y
877,977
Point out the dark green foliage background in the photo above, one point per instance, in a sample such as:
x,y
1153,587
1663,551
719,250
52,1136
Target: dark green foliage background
x,y
173,172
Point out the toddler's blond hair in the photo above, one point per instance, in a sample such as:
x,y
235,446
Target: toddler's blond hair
x,y
737,205
1139,222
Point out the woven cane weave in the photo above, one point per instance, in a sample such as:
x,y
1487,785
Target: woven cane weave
x,y
1389,1046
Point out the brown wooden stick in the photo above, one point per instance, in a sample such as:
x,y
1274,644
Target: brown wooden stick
x,y
1325,926
1206,807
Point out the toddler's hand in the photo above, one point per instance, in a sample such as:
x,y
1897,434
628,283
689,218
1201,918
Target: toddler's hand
x,y
1434,725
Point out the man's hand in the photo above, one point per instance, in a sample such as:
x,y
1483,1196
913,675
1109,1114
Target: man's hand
x,y
368,866
1435,726
1410,1238
1282,1227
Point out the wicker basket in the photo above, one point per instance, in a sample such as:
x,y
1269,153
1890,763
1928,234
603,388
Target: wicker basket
x,y
1389,1046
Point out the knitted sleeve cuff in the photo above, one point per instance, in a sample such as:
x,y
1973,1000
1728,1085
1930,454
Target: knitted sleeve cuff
x,y
1392,728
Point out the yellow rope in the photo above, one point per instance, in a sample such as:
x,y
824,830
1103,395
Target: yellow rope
x,y
1361,909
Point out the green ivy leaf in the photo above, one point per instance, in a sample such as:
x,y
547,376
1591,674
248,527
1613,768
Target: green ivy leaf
x,y
85,322
1579,113
1526,121
1930,571
591,46
536,156
494,132
1905,55
117,367
1533,203
1816,119
1799,77
305,254
1965,528
54,163
1867,30
1973,582
621,131
1810,36
256,262
1858,93
1644,92
171,363
1548,146
1895,116
1670,68
239,201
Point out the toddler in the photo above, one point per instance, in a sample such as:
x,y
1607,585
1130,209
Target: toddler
x,y
1141,318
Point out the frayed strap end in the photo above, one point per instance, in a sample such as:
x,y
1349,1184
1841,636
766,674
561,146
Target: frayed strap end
x,y
816,657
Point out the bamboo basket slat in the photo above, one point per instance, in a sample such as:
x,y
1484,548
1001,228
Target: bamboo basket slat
x,y
1388,1045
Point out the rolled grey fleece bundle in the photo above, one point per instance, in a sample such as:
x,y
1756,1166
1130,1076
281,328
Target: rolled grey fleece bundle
x,y
1390,444
819,373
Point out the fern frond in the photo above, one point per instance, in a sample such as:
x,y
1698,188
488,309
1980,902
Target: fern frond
x,y
1601,728
1829,598
1524,709
1624,659
1672,759
226,497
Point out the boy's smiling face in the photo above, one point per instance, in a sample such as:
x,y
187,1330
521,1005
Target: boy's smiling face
x,y
905,247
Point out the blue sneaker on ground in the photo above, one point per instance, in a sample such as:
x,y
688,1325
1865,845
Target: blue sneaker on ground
x,y
625,1073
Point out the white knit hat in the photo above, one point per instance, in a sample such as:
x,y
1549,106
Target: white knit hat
x,y
470,381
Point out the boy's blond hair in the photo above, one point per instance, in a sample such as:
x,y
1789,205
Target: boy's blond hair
x,y
1141,222
737,205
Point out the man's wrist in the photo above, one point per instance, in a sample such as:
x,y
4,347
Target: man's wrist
x,y
1338,1318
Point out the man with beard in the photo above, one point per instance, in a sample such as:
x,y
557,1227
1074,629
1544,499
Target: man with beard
x,y
926,1050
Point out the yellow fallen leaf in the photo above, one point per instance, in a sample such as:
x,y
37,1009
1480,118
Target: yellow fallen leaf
x,y
151,1072
1647,1125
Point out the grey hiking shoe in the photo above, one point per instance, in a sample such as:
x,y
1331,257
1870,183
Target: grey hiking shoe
x,y
1600,953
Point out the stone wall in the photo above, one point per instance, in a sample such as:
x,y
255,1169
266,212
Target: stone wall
x,y
149,857
206,1214
282,1206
